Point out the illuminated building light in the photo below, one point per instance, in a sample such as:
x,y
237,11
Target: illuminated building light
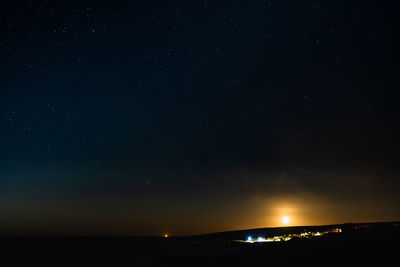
x,y
261,239
288,237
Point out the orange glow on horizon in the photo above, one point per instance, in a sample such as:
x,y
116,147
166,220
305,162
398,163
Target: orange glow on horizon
x,y
285,220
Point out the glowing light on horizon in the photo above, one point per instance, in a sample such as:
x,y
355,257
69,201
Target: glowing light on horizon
x,y
287,237
261,239
285,219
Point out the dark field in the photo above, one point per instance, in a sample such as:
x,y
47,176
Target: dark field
x,y
359,244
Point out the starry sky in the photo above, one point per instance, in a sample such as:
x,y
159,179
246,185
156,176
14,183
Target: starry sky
x,y
188,117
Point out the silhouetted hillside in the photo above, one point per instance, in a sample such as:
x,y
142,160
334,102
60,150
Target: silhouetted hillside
x,y
357,244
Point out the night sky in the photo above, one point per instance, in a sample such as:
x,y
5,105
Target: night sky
x,y
187,117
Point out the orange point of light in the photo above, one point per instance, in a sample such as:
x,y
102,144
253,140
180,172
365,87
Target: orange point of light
x,y
165,235
285,219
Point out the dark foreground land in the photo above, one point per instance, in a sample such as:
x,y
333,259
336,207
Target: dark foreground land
x,y
361,244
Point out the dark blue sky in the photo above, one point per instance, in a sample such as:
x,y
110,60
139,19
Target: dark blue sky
x,y
193,116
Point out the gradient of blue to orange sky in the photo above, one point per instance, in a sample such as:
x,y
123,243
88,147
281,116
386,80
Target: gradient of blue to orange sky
x,y
188,117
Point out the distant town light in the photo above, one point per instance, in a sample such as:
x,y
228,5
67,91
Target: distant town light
x,y
165,235
288,237
261,239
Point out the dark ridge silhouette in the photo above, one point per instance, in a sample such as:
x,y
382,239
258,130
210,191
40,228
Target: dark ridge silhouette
x,y
360,243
